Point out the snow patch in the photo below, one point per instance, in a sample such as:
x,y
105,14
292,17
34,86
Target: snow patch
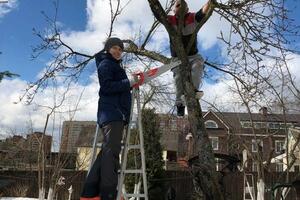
x,y
17,198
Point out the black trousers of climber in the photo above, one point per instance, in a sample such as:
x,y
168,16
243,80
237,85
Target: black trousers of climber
x,y
102,179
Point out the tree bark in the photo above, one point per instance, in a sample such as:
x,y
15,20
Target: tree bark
x,y
260,189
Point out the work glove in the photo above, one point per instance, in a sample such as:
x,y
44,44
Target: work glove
x,y
136,80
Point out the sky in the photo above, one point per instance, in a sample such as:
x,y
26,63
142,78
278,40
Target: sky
x,y
84,26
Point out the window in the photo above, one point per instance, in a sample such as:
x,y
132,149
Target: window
x,y
255,144
246,124
214,143
287,125
172,156
257,125
211,124
279,166
254,167
279,146
274,125
263,124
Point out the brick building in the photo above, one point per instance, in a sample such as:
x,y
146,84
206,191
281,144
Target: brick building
x,y
70,134
231,133
34,139
19,153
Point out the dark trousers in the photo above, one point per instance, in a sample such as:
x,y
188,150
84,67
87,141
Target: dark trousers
x,y
102,179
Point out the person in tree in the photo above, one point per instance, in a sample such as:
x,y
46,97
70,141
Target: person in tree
x,y
189,26
114,107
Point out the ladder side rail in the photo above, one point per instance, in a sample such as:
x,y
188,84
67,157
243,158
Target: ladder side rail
x,y
244,195
253,183
286,192
123,166
94,149
140,127
125,149
247,186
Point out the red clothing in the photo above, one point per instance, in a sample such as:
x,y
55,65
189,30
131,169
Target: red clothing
x,y
190,23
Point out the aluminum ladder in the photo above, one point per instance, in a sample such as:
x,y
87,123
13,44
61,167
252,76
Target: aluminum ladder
x,y
124,157
249,187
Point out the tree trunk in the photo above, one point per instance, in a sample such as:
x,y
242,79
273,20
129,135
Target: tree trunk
x,y
260,189
41,193
204,173
50,194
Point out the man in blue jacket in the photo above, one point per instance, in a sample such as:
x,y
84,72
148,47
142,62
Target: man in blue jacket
x,y
114,107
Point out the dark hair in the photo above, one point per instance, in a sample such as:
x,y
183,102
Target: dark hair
x,y
113,41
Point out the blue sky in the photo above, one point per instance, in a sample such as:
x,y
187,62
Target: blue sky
x,y
84,25
17,37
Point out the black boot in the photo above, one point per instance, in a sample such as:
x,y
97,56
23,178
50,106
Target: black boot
x,y
108,193
180,110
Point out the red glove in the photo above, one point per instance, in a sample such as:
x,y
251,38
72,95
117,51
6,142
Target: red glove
x,y
138,79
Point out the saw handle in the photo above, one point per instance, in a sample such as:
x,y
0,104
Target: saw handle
x,y
139,78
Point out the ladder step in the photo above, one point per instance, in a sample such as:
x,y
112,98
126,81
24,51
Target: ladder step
x,y
135,195
133,171
99,144
137,146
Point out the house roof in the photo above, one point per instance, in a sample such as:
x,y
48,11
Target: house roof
x,y
260,117
232,119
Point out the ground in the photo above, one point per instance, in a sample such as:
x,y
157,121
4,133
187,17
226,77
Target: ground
x,y
16,198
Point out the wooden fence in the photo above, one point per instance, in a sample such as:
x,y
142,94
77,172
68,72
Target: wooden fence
x,y
12,182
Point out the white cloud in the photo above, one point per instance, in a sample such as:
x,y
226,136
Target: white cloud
x,y
134,21
294,63
5,8
220,95
18,116
91,39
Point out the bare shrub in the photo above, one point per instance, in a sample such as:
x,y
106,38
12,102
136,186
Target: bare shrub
x,y
20,189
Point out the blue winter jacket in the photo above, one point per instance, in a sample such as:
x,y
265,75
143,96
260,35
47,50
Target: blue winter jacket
x,y
114,94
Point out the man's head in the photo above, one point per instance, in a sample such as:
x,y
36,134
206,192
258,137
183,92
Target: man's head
x,y
115,47
178,4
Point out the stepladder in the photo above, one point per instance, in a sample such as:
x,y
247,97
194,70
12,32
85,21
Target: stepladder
x,y
133,146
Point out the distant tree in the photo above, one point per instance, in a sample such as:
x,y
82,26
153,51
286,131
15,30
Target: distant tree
x,y
153,151
7,74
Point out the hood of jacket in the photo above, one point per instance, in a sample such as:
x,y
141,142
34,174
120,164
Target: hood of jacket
x,y
100,56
